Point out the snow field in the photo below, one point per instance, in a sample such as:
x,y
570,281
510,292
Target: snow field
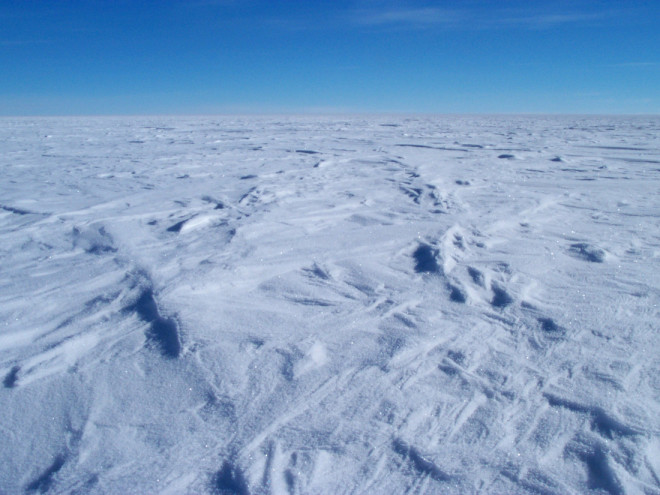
x,y
330,305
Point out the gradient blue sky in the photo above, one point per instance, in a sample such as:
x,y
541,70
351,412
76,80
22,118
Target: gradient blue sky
x,y
264,56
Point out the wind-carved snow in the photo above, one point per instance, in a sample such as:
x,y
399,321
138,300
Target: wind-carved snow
x,y
330,305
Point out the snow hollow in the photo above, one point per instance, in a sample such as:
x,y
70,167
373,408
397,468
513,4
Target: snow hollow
x,y
329,305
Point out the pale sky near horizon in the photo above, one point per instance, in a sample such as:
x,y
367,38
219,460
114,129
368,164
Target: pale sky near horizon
x,y
259,56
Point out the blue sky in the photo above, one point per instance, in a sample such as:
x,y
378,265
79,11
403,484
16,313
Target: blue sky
x,y
258,56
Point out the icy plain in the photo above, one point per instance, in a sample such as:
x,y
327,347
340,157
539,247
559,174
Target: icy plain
x,y
330,305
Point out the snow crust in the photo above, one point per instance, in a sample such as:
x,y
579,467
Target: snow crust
x,y
330,305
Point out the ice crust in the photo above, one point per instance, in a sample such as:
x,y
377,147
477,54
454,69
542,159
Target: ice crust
x,y
363,304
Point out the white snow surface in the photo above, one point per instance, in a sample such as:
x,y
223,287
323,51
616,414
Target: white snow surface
x,y
330,305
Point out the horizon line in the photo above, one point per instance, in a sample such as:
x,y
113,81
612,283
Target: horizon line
x,y
335,113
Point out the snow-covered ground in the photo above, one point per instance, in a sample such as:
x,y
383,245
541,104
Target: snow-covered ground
x,y
330,305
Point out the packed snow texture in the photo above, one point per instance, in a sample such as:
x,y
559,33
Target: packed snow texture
x,y
330,305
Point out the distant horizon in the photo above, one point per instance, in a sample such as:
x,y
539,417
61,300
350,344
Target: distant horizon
x,y
333,114
210,57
